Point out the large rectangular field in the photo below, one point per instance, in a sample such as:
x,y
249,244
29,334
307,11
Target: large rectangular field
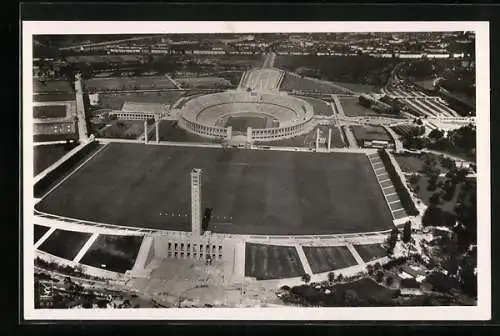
x,y
253,192
49,111
114,253
369,252
240,124
324,259
272,261
65,244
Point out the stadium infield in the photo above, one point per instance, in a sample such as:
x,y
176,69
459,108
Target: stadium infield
x,y
250,192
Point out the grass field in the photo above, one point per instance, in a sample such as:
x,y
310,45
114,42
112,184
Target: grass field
x,y
320,106
65,244
49,111
55,137
413,163
360,69
125,129
116,253
254,192
240,124
272,262
371,251
116,100
44,156
352,108
54,96
366,288
128,83
170,131
324,259
337,139
291,82
38,232
363,88
362,133
52,86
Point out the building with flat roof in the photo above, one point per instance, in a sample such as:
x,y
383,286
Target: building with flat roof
x,y
141,111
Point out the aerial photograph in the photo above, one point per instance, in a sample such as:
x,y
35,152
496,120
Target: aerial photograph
x,y
254,170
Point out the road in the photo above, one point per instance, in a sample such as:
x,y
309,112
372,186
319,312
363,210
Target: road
x,y
269,60
80,110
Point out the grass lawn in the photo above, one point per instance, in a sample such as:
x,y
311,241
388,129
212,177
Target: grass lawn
x,y
414,163
38,232
321,107
65,244
424,195
128,83
363,88
45,155
52,86
272,262
324,259
371,251
170,131
366,288
117,253
292,82
49,111
240,124
125,129
261,192
353,109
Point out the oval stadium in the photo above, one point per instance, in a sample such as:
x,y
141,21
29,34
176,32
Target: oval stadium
x,y
267,116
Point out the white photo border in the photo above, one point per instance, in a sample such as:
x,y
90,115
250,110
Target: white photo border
x,y
470,313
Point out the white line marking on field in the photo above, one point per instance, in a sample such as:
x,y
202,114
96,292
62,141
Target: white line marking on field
x,y
386,187
390,194
384,180
394,202
74,171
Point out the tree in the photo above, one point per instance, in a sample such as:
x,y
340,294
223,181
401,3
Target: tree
x,y
331,277
391,240
406,232
436,134
379,276
389,281
306,278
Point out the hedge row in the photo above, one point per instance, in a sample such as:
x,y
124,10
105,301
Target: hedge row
x,y
42,186
403,193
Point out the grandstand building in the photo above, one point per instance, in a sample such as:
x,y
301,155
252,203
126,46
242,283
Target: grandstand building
x,y
140,111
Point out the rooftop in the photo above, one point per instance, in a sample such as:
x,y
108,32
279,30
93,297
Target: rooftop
x,y
141,107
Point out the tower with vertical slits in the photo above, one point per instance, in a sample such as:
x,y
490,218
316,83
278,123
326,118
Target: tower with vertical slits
x,y
196,202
